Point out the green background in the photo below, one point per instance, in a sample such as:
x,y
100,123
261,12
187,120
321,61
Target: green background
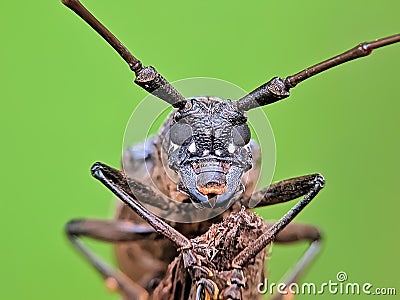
x,y
66,99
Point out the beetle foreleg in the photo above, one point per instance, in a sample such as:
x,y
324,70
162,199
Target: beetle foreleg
x,y
282,191
266,238
296,233
116,181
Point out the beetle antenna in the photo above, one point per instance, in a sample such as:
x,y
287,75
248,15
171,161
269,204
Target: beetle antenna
x,y
146,77
277,88
358,51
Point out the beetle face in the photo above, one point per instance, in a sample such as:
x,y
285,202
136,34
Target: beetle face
x,y
209,148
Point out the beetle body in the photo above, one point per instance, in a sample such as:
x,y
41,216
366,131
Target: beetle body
x,y
217,249
146,261
184,230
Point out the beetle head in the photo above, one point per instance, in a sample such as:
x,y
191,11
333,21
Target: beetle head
x,y
208,146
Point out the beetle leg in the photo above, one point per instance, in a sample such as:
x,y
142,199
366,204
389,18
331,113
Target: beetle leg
x,y
282,191
237,283
296,233
206,289
266,238
110,231
117,182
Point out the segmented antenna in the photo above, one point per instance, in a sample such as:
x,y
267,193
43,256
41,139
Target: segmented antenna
x,y
146,77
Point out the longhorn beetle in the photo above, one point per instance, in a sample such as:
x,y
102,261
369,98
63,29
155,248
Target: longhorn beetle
x,y
207,143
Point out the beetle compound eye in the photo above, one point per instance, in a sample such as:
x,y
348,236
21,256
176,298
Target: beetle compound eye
x,y
241,135
180,132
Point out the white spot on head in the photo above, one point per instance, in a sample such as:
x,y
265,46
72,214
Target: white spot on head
x,y
192,148
174,146
206,152
218,152
231,148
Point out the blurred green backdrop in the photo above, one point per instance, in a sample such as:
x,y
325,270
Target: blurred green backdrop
x,y
66,98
